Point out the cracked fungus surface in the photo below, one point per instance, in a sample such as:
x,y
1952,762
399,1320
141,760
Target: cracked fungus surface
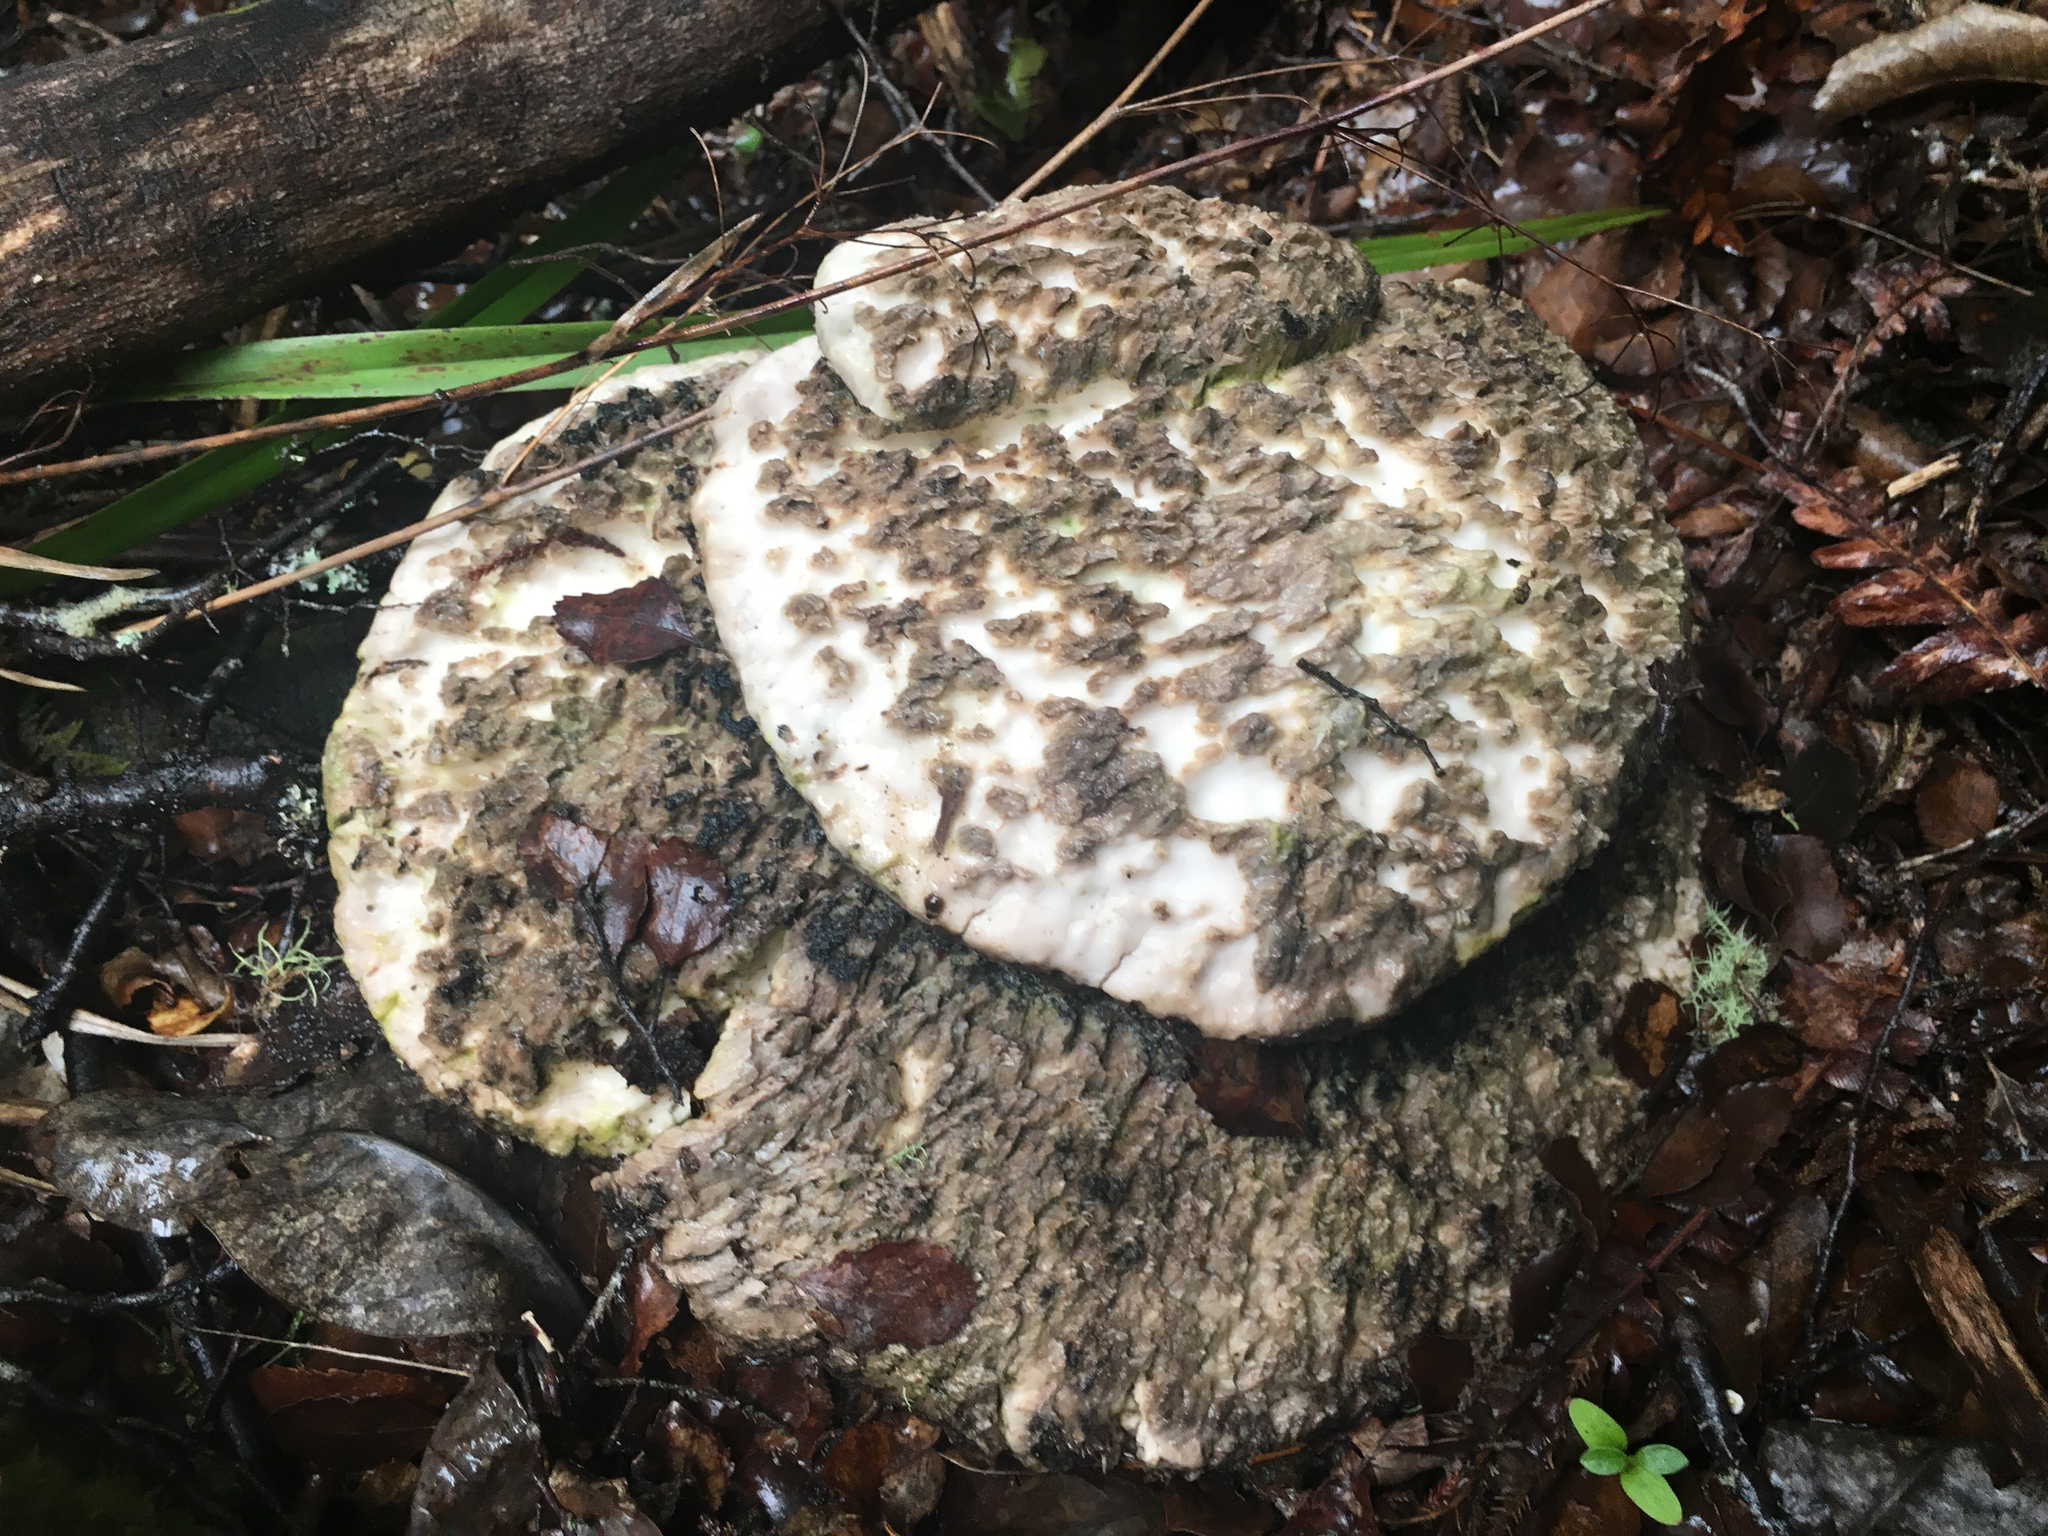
x,y
470,713
1022,558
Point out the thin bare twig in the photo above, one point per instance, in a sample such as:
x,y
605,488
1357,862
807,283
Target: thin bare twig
x,y
724,325
1113,111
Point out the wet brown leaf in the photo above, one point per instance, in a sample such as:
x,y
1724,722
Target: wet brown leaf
x,y
892,1293
1956,802
349,1420
1687,1155
1439,1366
214,835
1650,1033
1209,1506
690,1450
621,891
651,1304
560,853
1564,1162
636,623
686,901
1817,920
1251,1090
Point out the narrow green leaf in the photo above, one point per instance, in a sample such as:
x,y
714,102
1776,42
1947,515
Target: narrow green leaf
x,y
1652,1495
1603,1460
1409,253
218,476
1664,1459
1596,1425
385,365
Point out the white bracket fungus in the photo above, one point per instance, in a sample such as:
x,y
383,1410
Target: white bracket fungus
x,y
1111,593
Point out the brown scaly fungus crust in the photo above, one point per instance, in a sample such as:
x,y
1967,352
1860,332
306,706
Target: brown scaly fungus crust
x,y
1144,1282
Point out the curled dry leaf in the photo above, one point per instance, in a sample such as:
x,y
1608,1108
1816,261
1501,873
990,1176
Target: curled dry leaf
x,y
1971,42
912,1293
636,623
686,901
182,988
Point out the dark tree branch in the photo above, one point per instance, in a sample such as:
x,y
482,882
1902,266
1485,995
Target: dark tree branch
x,y
148,794
159,192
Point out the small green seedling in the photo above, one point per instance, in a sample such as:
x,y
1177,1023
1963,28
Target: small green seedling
x,y
288,974
1642,1471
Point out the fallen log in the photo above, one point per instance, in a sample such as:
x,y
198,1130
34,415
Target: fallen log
x,y
156,193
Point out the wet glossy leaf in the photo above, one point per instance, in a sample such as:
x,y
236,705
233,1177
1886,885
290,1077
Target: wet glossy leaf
x,y
892,1293
1341,1504
686,901
635,623
485,1469
356,1230
142,1163
621,891
560,853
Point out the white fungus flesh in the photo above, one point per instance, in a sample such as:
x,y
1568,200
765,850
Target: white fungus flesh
x,y
1024,560
469,711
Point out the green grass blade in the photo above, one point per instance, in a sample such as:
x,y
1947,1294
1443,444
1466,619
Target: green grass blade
x,y
1439,247
504,297
384,365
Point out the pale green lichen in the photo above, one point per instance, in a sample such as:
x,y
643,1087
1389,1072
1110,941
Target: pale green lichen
x,y
1728,981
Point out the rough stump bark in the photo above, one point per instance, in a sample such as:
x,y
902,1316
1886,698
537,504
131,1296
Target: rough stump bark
x,y
1149,1285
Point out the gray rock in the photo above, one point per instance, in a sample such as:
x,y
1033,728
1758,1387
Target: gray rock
x,y
1844,1480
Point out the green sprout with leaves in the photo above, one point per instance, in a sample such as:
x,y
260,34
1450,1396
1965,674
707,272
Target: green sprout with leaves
x,y
1728,981
287,973
1642,1471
